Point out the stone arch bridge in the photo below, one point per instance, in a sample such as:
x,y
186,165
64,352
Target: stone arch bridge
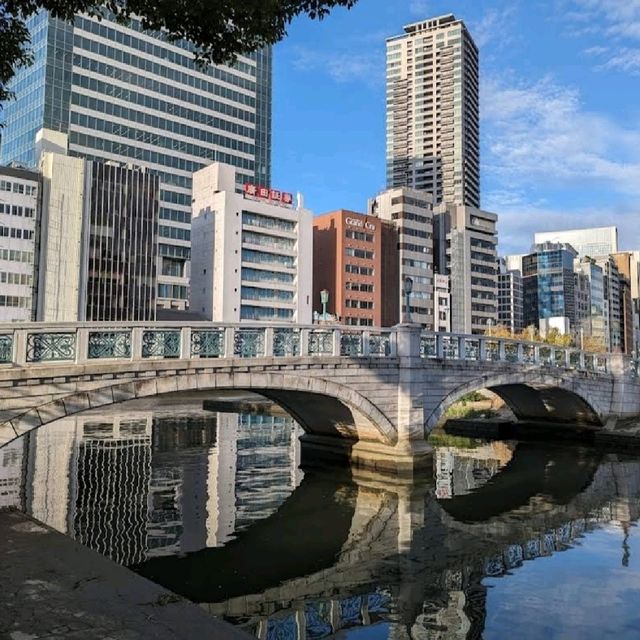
x,y
371,396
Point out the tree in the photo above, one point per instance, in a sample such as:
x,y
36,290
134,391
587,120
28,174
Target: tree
x,y
220,29
498,331
594,344
557,339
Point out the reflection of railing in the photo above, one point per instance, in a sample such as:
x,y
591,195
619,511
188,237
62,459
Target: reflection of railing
x,y
83,342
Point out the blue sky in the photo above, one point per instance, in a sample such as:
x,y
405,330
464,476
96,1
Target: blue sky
x,y
560,110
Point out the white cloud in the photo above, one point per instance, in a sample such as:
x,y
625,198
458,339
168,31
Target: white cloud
x,y
495,27
624,59
421,8
539,131
540,139
342,66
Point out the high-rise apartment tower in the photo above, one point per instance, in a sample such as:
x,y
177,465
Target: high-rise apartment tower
x,y
130,96
433,141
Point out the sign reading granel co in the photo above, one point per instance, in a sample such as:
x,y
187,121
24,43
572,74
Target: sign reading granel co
x,y
273,196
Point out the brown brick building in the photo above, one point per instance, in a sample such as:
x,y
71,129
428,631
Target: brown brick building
x,y
355,260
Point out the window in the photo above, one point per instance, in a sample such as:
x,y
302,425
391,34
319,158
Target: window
x,y
359,235
359,270
359,253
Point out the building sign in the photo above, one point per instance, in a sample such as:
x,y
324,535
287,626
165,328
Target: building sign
x,y
357,222
274,196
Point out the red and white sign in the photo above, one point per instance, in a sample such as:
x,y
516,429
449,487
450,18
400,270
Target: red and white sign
x,y
271,195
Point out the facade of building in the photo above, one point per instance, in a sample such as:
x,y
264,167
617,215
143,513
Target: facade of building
x,y
465,242
441,303
592,243
549,291
98,241
628,263
349,265
19,210
433,111
411,214
612,301
597,323
126,95
510,298
252,251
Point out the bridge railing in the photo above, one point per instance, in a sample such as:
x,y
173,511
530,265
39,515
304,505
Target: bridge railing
x,y
40,343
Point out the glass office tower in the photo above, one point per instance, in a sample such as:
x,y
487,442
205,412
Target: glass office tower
x,y
123,94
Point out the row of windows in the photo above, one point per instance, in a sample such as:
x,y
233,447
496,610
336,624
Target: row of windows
x,y
261,257
485,244
261,239
157,122
16,210
359,253
173,291
406,215
255,293
150,102
12,232
15,301
409,246
152,67
421,280
416,233
358,269
483,257
154,157
175,233
18,187
423,204
358,304
158,51
174,251
9,277
172,267
359,235
175,215
359,286
410,262
261,275
267,222
358,322
149,137
249,312
14,255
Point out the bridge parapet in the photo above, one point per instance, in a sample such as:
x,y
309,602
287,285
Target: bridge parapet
x,y
81,343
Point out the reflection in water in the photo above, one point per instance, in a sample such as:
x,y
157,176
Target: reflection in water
x,y
214,507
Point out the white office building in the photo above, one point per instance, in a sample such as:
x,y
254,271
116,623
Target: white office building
x,y
411,213
252,251
19,195
592,243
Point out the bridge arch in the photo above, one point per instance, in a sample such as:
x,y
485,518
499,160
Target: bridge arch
x,y
322,407
531,396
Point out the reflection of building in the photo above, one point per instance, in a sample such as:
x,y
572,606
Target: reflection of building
x,y
433,141
252,252
11,459
133,486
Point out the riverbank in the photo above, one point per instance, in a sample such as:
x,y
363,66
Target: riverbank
x,y
54,588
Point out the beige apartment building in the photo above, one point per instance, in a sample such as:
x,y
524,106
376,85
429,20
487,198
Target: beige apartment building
x,y
433,111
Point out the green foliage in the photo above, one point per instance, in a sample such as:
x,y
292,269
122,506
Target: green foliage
x,y
474,396
220,29
438,439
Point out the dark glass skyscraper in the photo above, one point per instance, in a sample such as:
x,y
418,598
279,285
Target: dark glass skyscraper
x,y
123,94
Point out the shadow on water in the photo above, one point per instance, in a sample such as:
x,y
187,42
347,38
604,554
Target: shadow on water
x,y
304,536
215,509
558,474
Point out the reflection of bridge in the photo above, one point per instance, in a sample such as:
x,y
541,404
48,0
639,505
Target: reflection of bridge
x,y
371,396
327,552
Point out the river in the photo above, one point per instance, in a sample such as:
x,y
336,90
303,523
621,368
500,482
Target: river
x,y
504,540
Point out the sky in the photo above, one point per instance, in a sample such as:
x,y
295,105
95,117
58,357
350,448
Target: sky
x,y
559,110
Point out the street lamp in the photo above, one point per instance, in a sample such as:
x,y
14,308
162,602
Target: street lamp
x,y
407,288
324,299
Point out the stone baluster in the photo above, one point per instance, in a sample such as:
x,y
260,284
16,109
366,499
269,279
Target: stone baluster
x,y
136,343
229,341
82,345
502,350
304,342
20,347
482,349
185,343
337,340
520,353
268,342
364,345
462,348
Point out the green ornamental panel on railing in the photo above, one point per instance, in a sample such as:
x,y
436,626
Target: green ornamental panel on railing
x,y
161,344
6,348
249,343
321,343
380,345
109,344
51,347
207,344
286,342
